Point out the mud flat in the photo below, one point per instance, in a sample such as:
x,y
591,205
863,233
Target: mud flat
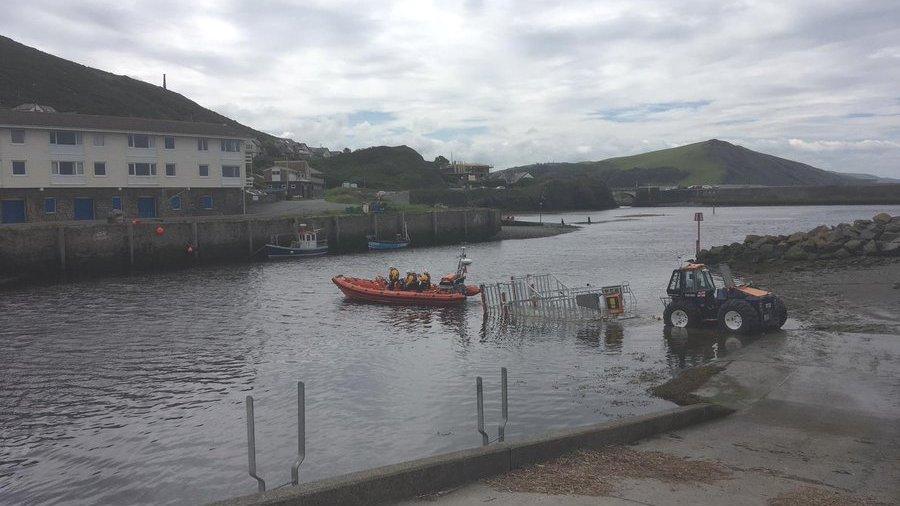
x,y
530,231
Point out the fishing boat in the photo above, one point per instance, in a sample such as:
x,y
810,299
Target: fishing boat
x,y
451,290
304,243
400,241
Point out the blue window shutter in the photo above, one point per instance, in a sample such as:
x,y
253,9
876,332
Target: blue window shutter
x,y
117,203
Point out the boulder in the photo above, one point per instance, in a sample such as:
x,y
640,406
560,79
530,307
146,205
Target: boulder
x,y
867,234
889,236
891,249
795,238
795,253
882,218
767,249
841,253
752,238
821,230
870,248
894,225
853,245
861,224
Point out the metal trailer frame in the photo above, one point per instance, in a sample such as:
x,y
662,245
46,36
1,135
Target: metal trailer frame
x,y
544,296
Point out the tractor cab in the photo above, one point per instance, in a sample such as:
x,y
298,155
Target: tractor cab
x,y
694,298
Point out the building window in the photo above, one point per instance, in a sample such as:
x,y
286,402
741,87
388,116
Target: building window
x,y
202,144
99,140
99,168
117,202
169,142
50,205
231,145
175,203
17,136
67,168
204,171
142,169
206,202
231,171
18,168
170,169
140,141
64,138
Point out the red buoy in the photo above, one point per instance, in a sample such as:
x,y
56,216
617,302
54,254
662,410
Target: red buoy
x,y
160,230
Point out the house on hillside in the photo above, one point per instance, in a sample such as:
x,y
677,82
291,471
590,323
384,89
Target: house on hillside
x,y
294,179
468,172
514,178
63,166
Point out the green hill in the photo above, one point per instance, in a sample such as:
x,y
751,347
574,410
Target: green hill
x,y
710,162
380,167
31,76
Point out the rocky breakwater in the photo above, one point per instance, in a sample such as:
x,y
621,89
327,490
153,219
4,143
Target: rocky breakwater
x,y
879,236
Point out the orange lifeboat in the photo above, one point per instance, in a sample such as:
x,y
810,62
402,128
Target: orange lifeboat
x,y
376,290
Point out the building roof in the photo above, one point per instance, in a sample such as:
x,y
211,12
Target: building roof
x,y
26,119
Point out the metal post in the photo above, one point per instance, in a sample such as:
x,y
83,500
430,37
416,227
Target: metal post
x,y
698,241
301,433
479,393
504,407
251,445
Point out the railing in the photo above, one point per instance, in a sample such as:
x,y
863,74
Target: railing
x,y
301,428
544,296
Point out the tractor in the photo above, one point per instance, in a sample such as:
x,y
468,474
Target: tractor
x,y
694,299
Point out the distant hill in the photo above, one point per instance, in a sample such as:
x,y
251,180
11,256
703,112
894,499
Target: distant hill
x,y
381,167
708,162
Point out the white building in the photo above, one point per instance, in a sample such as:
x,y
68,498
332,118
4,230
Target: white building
x,y
63,166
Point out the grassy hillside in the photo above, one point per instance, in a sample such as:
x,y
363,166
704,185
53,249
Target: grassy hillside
x,y
31,76
708,162
557,194
380,167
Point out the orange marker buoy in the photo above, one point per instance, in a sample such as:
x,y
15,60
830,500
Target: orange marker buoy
x,y
160,230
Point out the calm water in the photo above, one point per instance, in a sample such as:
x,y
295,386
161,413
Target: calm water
x,y
131,390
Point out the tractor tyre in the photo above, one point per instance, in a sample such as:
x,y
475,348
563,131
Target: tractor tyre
x,y
779,315
681,315
739,317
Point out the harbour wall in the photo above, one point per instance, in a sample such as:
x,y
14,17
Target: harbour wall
x,y
771,196
74,249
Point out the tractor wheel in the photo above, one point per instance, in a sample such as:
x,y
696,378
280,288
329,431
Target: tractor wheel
x,y
779,315
738,316
681,315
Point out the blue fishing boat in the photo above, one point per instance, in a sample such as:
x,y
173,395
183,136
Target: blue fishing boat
x,y
304,243
399,242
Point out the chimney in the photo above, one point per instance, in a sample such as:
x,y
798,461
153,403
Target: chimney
x,y
164,82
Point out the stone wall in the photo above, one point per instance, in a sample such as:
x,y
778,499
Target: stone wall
x,y
771,195
879,236
41,250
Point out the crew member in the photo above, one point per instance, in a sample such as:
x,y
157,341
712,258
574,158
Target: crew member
x,y
412,281
393,278
424,281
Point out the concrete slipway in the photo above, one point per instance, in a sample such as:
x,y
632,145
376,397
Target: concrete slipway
x,y
818,421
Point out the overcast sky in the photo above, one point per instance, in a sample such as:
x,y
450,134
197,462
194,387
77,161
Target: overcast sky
x,y
512,83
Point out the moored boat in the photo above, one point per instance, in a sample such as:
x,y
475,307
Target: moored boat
x,y
304,243
399,242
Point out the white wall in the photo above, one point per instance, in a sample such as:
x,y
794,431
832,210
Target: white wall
x,y
38,154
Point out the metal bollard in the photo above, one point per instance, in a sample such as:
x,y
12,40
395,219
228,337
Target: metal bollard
x,y
251,445
479,393
301,433
504,407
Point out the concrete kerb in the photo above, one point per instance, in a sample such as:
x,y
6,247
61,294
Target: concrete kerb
x,y
441,472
